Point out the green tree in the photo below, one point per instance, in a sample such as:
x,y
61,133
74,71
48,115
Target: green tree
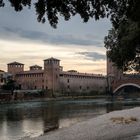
x,y
124,15
53,9
123,40
123,46
10,85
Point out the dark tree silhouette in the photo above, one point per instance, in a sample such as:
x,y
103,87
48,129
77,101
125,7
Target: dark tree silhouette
x,y
52,9
122,13
123,45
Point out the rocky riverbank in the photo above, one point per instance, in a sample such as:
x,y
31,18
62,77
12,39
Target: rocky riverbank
x,y
117,125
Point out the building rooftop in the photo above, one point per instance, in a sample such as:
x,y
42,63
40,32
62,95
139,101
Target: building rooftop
x,y
72,70
30,72
35,66
2,71
81,74
15,63
52,59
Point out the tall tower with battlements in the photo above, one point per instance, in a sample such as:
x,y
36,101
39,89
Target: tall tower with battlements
x,y
15,67
113,71
113,74
51,74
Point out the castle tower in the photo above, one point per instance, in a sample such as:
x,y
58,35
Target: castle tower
x,y
35,68
15,67
51,74
113,71
113,74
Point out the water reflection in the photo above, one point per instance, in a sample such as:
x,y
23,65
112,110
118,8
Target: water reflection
x,y
35,118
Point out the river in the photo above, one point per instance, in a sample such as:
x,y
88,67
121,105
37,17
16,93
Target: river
x,y
31,119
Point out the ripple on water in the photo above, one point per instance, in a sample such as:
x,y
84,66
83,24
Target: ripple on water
x,y
137,137
31,119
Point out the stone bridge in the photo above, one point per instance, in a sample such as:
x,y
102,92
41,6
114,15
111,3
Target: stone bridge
x,y
126,80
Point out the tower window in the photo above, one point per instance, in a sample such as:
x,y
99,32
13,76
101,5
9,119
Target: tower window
x,y
68,80
56,76
1,80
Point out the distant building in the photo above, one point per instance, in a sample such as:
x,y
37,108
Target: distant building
x,y
4,76
54,79
1,78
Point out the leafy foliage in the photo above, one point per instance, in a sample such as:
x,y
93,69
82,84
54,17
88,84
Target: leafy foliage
x,y
10,85
53,9
123,46
122,41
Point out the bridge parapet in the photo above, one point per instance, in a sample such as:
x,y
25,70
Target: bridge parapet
x,y
118,83
135,76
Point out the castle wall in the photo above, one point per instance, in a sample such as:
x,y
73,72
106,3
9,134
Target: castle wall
x,y
54,79
81,83
30,80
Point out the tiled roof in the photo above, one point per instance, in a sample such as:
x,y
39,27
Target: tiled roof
x,y
36,66
52,59
15,63
1,71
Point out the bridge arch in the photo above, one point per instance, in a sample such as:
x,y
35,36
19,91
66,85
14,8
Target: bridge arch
x,y
127,84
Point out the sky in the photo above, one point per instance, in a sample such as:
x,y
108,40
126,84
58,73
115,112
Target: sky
x,y
79,46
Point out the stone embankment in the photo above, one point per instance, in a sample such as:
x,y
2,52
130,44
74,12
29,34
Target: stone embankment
x,y
117,125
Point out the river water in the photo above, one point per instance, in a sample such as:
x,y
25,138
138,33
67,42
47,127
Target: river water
x,y
31,119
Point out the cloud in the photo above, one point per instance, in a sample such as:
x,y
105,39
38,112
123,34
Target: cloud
x,y
25,40
92,55
59,39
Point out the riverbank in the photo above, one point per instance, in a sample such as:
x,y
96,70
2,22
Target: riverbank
x,y
53,99
117,125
